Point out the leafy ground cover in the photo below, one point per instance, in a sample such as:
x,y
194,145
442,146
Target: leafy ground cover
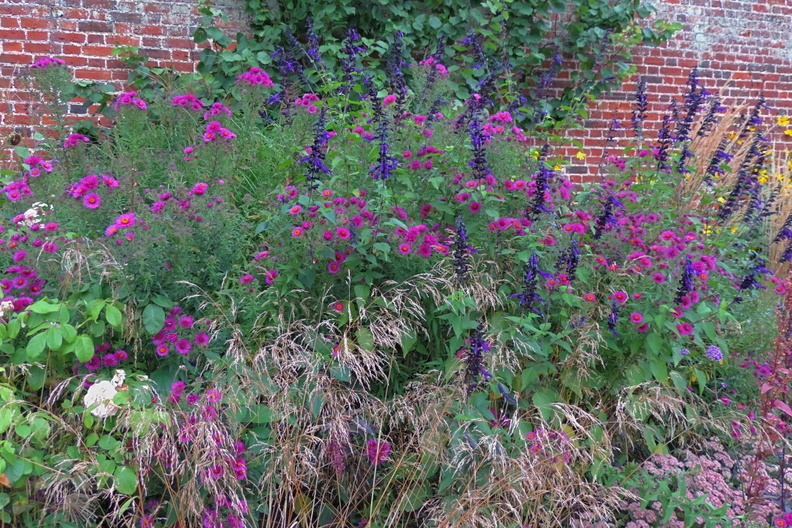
x,y
340,299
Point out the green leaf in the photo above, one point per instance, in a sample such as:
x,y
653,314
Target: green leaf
x,y
659,369
126,480
153,318
84,348
69,333
36,346
365,339
43,307
113,315
54,338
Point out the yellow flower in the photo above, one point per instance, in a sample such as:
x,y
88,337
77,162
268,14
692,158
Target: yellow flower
x,y
762,180
580,155
788,131
707,230
732,135
722,199
783,120
557,167
733,229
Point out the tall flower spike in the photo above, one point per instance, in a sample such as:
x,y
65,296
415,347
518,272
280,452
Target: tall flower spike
x,y
479,161
385,162
686,281
348,60
720,157
315,159
607,217
640,112
613,318
530,282
475,359
461,252
664,141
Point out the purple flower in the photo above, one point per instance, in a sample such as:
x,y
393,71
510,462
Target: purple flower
x,y
92,200
183,346
213,395
714,353
377,451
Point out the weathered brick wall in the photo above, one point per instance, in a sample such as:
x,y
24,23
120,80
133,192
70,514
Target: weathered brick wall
x,y
84,33
742,48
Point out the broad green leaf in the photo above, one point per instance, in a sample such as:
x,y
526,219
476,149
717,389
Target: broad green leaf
x,y
153,318
54,338
36,346
113,315
84,348
126,480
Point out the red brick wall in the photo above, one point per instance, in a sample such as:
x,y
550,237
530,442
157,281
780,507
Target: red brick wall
x,y
742,48
84,33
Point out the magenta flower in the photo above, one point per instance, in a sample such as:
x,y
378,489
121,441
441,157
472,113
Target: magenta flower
x,y
110,360
404,249
636,318
92,200
377,451
186,321
201,339
216,472
121,355
246,278
126,220
163,350
619,296
213,395
183,346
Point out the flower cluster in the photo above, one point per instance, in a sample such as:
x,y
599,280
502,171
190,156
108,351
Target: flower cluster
x,y
85,188
74,139
47,61
128,99
217,109
103,357
189,101
180,331
255,76
215,130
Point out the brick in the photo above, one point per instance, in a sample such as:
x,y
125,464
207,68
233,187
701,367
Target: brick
x,y
79,38
127,18
12,34
95,26
35,23
9,22
97,75
42,48
99,4
102,51
37,35
11,47
13,58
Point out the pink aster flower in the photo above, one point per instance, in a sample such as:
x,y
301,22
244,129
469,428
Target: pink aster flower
x,y
377,451
636,318
126,220
183,346
92,200
201,339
